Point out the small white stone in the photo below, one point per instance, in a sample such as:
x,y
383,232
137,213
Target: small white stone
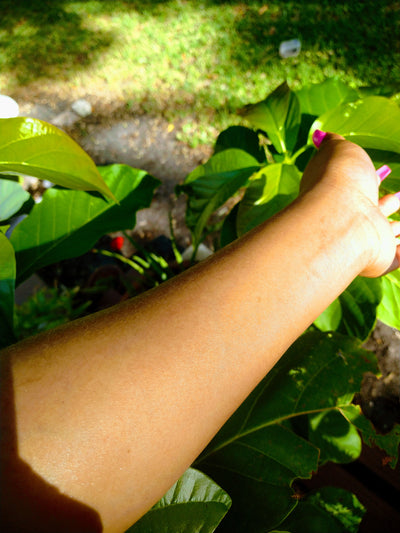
x,y
290,48
82,108
8,107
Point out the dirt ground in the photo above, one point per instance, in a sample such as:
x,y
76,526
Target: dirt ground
x,y
113,134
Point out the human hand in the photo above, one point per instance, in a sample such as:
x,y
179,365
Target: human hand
x,y
346,172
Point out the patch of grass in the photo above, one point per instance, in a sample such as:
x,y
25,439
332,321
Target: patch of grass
x,y
196,61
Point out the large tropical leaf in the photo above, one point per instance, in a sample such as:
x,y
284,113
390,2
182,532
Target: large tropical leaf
x,y
317,99
391,184
194,504
12,198
68,223
257,454
354,312
328,510
227,160
7,287
336,437
228,231
36,148
212,184
379,158
278,116
389,308
330,318
243,138
272,189
359,303
372,123
388,442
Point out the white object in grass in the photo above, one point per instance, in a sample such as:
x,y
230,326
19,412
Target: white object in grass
x,y
82,108
8,107
290,48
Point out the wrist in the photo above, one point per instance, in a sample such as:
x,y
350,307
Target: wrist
x,y
346,223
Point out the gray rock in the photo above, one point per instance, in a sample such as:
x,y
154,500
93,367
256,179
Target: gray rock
x,y
66,119
82,108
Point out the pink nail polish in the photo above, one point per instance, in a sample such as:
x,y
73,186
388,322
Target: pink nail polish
x,y
383,172
397,194
318,137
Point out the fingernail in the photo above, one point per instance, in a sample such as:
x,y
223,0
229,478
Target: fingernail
x,y
317,137
397,194
383,172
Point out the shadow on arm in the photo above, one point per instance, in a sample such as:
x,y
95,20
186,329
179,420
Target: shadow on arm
x,y
27,502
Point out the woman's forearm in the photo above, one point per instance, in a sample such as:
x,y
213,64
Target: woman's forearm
x,y
110,410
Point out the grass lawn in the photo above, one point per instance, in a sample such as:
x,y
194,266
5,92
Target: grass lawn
x,y
194,62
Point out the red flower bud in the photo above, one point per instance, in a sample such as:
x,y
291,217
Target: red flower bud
x,y
117,243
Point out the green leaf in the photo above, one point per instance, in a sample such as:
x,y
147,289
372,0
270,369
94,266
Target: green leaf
x,y
378,90
193,503
372,123
330,319
31,146
12,198
7,288
379,158
391,184
273,188
256,455
359,303
388,442
316,99
228,160
258,501
68,223
278,116
212,184
242,138
389,308
354,312
4,228
338,440
328,510
228,230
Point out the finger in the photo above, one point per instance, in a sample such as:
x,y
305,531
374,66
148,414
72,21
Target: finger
x,y
383,172
389,204
396,261
395,225
319,136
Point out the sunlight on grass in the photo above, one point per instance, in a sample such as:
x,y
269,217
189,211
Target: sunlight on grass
x,y
195,62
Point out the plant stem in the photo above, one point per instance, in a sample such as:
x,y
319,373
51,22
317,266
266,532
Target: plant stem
x,y
299,152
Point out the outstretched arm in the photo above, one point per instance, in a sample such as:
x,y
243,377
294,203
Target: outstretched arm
x,y
110,410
